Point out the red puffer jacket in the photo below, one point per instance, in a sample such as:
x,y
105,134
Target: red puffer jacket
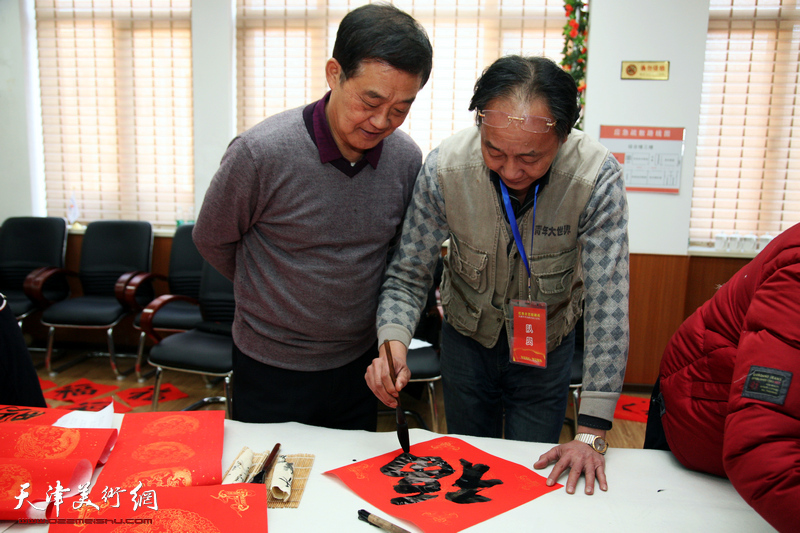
x,y
730,378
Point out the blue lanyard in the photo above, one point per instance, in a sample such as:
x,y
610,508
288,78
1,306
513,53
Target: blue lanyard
x,y
512,220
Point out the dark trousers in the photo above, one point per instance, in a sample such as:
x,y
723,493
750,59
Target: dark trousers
x,y
338,398
19,384
654,436
486,395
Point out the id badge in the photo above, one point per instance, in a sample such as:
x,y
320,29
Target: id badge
x,y
529,333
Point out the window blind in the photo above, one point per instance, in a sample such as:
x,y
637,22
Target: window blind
x,y
747,171
282,47
116,88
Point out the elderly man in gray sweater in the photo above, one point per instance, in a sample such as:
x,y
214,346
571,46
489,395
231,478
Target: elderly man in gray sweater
x,y
301,216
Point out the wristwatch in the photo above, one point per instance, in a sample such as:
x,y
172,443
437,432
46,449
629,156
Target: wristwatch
x,y
597,443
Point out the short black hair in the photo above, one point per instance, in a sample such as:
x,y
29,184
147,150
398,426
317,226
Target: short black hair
x,y
527,79
382,32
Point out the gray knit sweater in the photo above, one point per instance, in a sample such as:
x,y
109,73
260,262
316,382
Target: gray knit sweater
x,y
305,245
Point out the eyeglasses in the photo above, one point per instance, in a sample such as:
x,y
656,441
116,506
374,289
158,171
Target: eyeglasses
x,y
498,119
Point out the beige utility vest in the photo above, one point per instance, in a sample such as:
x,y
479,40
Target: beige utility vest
x,y
482,273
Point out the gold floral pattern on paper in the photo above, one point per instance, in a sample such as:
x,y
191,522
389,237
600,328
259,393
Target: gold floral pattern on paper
x,y
47,442
238,498
526,483
162,452
12,477
360,471
440,518
170,521
161,477
445,446
171,425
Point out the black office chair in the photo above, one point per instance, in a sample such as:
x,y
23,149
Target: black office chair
x,y
30,248
113,251
185,269
205,349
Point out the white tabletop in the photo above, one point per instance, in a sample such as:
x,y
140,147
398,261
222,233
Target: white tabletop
x,y
648,489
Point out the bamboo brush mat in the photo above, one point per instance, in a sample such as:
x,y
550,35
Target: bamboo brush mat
x,y
302,470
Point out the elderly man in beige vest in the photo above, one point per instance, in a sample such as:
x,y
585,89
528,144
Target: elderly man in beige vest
x,y
536,215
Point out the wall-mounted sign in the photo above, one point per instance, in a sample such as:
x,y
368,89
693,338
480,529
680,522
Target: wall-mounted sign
x,y
650,156
645,70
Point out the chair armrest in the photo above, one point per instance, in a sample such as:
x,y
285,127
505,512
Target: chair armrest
x,y
132,297
122,282
149,312
35,282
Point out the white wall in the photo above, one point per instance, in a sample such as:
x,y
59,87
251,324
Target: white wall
x,y
16,185
214,84
621,30
650,30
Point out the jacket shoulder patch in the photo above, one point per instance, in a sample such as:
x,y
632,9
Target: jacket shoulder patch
x,y
767,384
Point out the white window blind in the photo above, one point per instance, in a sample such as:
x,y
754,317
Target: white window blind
x,y
747,172
282,47
116,88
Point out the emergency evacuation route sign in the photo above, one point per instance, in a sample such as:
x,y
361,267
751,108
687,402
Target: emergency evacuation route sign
x,y
651,157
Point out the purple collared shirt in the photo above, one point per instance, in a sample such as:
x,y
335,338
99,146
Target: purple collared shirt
x,y
317,126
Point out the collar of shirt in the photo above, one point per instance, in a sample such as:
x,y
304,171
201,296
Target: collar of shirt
x,y
320,132
520,208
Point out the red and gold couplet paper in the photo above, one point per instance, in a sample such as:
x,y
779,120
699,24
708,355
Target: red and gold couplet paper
x,y
443,485
236,508
29,415
169,449
36,458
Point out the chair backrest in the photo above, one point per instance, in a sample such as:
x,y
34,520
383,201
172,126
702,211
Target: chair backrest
x,y
111,248
216,296
185,263
27,243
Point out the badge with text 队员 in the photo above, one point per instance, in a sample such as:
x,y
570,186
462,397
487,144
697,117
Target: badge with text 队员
x,y
529,333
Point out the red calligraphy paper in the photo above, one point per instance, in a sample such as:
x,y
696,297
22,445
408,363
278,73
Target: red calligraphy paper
x,y
443,485
95,405
144,395
79,391
29,415
233,508
46,384
632,408
36,458
169,449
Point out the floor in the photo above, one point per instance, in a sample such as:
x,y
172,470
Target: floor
x,y
625,434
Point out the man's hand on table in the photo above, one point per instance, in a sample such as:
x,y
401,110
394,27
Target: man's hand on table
x,y
579,458
378,378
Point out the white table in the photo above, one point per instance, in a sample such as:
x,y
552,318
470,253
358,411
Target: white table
x,y
648,490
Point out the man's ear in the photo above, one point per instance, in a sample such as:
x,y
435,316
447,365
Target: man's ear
x,y
333,72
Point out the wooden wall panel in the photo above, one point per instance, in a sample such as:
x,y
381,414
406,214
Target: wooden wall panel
x,y
706,275
657,299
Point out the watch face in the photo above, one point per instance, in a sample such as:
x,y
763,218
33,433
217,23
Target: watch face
x,y
600,444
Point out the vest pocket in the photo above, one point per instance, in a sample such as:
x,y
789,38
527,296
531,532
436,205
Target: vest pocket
x,y
554,272
460,313
468,263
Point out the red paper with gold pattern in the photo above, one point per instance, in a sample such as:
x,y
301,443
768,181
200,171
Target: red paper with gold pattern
x,y
29,415
45,456
169,449
443,485
233,508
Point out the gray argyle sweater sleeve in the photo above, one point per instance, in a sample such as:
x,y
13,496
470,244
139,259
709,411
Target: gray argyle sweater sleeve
x,y
603,235
410,273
